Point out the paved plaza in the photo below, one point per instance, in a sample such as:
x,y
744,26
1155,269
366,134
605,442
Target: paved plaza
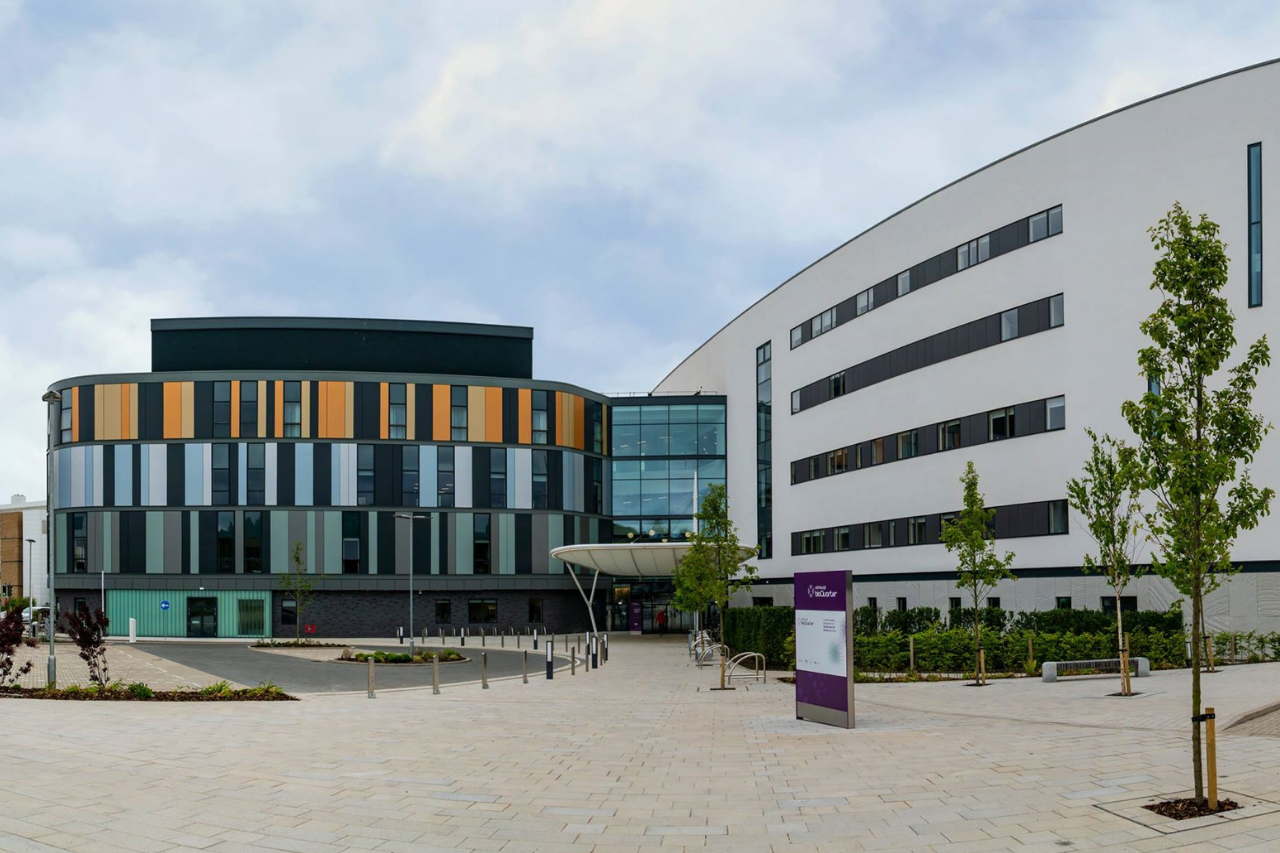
x,y
638,756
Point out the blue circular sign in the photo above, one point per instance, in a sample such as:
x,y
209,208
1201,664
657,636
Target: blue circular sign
x,y
164,605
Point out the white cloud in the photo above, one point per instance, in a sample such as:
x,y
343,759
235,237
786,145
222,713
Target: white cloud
x,y
29,249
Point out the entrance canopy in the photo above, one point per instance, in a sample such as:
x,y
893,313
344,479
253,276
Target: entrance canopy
x,y
627,559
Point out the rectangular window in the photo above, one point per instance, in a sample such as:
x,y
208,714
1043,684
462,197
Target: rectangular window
x,y
248,409
962,257
221,455
1128,604
256,471
458,412
498,478
482,611
396,410
893,532
865,302
842,539
444,477
904,283
444,611
838,461
539,400
351,543
288,612
993,601
949,435
797,336
902,604
79,543
293,410
873,604
222,410
410,476
597,427
812,542
916,530
253,543
1001,424
364,475
226,545
837,384
1062,602
955,603
984,247
1055,221
1039,227
1255,225
1057,517
1055,311
1009,325
908,444
761,601
540,493
877,451
64,418
1055,413
872,535
795,403
535,611
813,467
481,563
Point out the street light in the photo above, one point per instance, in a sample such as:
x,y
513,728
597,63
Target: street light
x,y
26,583
49,398
412,518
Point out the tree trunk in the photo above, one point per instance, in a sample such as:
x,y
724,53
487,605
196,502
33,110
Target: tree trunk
x,y
1197,765
723,648
1124,676
977,639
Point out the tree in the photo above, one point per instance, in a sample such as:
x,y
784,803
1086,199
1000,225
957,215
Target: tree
x,y
970,536
1107,497
715,566
1197,433
12,639
298,583
88,630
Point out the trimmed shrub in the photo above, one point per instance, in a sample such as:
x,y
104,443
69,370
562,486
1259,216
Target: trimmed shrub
x,y
911,621
761,629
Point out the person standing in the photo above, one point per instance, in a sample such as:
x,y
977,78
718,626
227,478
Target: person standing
x,y
662,623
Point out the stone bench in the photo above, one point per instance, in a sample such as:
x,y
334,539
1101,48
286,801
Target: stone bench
x,y
1053,668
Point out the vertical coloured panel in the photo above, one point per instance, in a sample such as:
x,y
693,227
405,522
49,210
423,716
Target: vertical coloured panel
x,y
511,477
188,409
173,410
306,409
462,476
264,429
560,418
279,401
507,541
464,537
123,475
521,476
280,544
383,424
207,470
95,475
336,476
193,481
428,482
435,537
75,413
303,474
439,412
493,415
322,417
99,409
235,408
333,542
475,413
555,538
155,542
269,472
411,411
172,543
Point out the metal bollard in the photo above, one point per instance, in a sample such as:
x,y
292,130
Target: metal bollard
x,y
524,668
550,644
371,696
517,641
482,636
606,648
484,670
435,675
595,652
464,636
502,641
573,662
400,634
535,639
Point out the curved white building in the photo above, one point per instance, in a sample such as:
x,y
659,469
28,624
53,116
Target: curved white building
x,y
993,320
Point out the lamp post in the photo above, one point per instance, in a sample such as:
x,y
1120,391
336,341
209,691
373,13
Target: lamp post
x,y
26,583
49,398
412,517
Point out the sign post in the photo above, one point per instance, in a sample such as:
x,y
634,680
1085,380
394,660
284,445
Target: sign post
x,y
824,651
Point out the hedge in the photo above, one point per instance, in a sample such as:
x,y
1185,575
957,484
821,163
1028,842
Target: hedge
x,y
761,629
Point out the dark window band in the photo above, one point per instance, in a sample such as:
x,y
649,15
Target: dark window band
x,y
1255,225
1037,416
1038,316
1015,235
1012,521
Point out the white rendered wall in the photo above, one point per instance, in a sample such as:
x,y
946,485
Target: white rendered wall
x,y
1115,178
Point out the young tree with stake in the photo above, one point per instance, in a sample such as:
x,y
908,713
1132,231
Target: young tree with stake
x,y
1107,497
971,538
1196,429
299,584
715,566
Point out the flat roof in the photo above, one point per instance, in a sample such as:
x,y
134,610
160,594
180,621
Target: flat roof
x,y
187,324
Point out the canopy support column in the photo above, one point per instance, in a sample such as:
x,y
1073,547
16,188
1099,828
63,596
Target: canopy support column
x,y
587,599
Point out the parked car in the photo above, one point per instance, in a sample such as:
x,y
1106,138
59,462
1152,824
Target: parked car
x,y
39,614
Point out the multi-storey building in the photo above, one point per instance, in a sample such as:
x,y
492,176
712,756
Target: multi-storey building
x,y
22,550
992,321
193,487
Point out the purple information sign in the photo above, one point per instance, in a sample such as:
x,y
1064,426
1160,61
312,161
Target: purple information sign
x,y
635,617
824,670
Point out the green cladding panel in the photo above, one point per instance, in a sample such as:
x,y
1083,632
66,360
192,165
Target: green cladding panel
x,y
153,621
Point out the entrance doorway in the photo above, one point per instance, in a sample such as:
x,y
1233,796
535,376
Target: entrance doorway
x,y
202,617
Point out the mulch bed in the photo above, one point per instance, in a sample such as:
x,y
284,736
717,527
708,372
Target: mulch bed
x,y
249,695
1189,808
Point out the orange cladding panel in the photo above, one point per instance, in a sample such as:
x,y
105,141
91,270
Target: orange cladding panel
x,y
525,407
279,409
235,408
173,410
384,430
579,418
493,414
439,412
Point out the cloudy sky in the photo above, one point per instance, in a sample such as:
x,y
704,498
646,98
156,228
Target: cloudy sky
x,y
623,176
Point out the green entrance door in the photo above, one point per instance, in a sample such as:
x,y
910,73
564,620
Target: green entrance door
x,y
202,617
